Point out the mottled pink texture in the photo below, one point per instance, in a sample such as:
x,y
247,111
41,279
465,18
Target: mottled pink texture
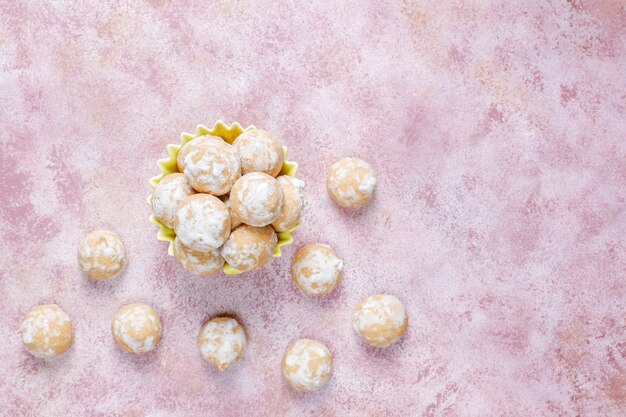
x,y
498,132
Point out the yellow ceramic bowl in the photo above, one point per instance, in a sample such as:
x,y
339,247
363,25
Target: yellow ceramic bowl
x,y
168,166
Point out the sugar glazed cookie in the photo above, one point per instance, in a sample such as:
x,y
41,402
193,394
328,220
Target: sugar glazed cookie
x,y
136,328
307,365
101,254
350,183
259,152
211,166
201,263
256,199
316,269
46,331
222,341
380,320
249,247
170,191
293,203
192,144
202,222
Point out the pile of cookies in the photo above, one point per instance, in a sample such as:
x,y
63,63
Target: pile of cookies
x,y
227,202
226,205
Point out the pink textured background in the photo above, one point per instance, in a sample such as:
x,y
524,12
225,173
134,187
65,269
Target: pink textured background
x,y
499,136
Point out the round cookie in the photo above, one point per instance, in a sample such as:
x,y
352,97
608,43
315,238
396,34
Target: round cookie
x,y
259,152
256,199
211,166
350,183
202,222
249,247
101,254
184,150
380,320
167,194
293,203
222,341
46,331
234,220
136,328
201,263
316,269
307,365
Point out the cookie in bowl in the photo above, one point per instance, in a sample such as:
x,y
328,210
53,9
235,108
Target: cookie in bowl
x,y
202,222
256,199
249,247
259,152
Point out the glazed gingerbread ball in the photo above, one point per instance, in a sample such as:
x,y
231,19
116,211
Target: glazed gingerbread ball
x,y
170,191
200,263
350,183
293,203
307,365
249,247
211,166
47,331
380,320
202,222
136,328
259,152
256,199
316,269
234,220
101,254
222,341
184,150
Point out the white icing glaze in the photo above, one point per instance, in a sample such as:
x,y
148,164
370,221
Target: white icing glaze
x,y
166,196
222,341
316,269
202,222
307,365
257,199
136,320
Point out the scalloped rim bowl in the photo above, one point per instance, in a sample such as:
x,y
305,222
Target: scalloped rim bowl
x,y
168,166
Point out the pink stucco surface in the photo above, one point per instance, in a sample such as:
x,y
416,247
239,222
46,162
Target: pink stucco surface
x,y
498,133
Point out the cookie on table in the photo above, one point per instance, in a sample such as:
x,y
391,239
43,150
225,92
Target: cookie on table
x,y
307,365
380,320
47,331
351,182
222,341
316,269
137,328
101,254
